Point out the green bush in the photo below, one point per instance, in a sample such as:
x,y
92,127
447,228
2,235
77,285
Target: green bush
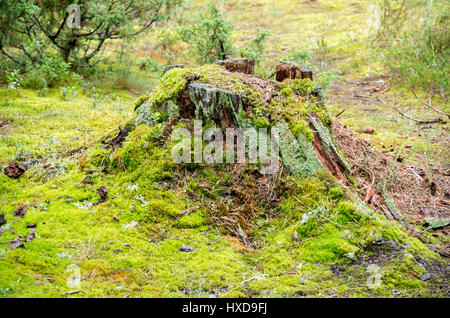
x,y
209,38
301,57
51,72
255,49
415,37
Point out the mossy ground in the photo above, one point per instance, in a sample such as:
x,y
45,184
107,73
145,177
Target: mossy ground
x,y
129,245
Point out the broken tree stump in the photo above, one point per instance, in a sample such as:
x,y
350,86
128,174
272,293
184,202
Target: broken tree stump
x,y
231,104
204,100
291,70
246,66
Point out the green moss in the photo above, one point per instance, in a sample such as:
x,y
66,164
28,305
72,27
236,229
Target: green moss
x,y
347,212
335,193
140,101
193,220
301,128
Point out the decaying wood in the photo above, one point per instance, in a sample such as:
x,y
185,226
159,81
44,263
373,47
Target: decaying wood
x,y
246,66
291,70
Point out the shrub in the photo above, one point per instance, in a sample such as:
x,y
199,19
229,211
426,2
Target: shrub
x,y
255,49
415,37
209,38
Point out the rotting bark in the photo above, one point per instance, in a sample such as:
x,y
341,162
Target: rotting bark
x,y
327,152
291,70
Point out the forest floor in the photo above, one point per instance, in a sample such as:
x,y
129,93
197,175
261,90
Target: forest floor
x,y
116,249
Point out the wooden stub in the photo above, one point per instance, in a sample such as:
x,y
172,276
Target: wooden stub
x,y
246,66
170,67
291,70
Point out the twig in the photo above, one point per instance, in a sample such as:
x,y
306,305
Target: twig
x,y
12,241
429,104
340,113
431,121
438,120
271,75
72,292
415,173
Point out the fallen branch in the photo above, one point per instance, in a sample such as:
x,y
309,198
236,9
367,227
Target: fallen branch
x,y
420,122
271,75
431,121
429,104
72,292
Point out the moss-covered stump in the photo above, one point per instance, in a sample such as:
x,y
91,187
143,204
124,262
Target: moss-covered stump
x,y
242,100
308,219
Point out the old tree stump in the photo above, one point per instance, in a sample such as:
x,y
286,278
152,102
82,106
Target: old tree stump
x,y
231,96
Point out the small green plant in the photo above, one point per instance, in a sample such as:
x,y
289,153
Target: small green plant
x,y
44,91
209,38
325,79
14,79
149,64
255,49
301,57
68,91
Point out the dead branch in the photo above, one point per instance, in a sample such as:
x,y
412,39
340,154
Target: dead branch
x,y
340,113
420,122
429,104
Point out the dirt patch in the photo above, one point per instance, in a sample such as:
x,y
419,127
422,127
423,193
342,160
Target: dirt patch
x,y
407,184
